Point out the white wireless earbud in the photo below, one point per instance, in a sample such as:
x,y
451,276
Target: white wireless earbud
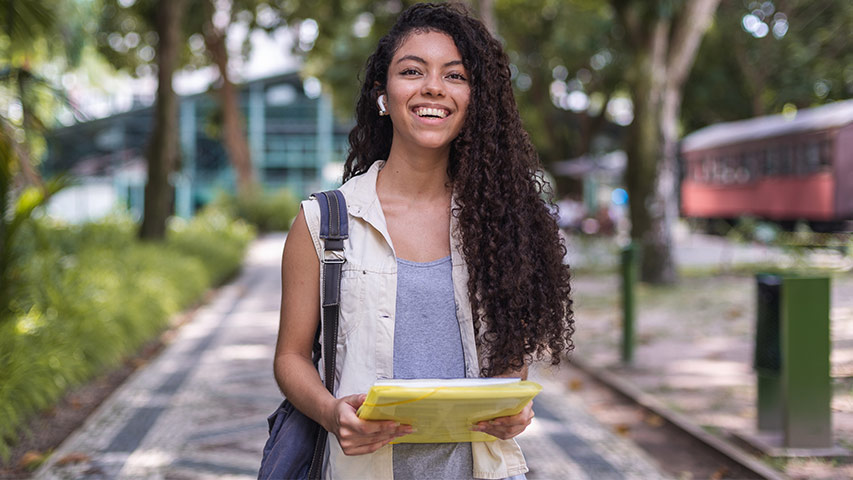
x,y
381,102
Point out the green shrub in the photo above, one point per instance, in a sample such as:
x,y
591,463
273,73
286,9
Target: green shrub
x,y
214,238
91,295
268,211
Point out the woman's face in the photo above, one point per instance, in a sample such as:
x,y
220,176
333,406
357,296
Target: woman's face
x,y
427,91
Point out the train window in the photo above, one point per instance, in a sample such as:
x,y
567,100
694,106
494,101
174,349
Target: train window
x,y
826,153
756,164
715,170
731,168
786,160
812,160
721,169
771,162
743,174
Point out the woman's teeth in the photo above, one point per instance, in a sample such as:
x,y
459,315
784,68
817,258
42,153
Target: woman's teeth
x,y
431,112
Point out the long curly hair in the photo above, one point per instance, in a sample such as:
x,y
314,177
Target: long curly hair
x,y
518,284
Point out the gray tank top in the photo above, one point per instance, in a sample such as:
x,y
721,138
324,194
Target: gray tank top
x,y
428,344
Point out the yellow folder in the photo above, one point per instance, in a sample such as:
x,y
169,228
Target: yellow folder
x,y
445,410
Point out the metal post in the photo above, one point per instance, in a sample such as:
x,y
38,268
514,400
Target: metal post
x,y
257,128
805,351
629,279
325,138
184,180
767,358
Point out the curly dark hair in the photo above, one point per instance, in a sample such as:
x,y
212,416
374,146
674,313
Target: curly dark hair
x,y
518,284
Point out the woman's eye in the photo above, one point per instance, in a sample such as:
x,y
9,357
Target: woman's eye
x,y
409,71
457,76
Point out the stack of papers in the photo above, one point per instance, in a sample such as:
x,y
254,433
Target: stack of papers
x,y
443,410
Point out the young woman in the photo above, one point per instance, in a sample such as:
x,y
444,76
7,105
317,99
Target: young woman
x,y
454,267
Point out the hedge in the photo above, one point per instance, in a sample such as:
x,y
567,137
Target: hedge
x,y
88,296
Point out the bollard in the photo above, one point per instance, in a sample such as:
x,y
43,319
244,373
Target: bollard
x,y
791,359
805,352
767,359
629,280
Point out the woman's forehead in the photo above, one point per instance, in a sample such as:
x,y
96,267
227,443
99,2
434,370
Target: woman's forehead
x,y
432,42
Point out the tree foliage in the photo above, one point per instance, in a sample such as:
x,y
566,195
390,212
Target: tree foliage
x,y
800,56
32,37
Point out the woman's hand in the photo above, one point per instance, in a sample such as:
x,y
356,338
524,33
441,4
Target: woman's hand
x,y
357,436
507,427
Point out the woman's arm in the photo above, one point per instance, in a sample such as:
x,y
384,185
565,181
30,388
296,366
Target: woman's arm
x,y
296,375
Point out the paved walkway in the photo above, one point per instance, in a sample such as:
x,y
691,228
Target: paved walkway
x,y
199,409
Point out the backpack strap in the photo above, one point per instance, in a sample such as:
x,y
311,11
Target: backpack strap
x,y
334,229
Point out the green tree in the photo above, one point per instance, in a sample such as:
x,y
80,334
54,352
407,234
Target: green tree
x,y
663,37
131,34
212,26
130,37
760,56
163,151
567,66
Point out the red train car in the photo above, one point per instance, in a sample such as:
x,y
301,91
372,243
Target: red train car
x,y
783,168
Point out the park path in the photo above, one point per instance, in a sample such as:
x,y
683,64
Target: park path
x,y
198,410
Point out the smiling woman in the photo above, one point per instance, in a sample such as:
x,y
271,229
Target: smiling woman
x,y
454,266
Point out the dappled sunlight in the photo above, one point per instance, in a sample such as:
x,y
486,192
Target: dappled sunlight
x,y
143,460
245,352
698,373
267,251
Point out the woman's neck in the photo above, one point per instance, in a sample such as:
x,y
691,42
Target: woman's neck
x,y
417,175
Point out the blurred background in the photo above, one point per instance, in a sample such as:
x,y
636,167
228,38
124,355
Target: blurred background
x,y
144,138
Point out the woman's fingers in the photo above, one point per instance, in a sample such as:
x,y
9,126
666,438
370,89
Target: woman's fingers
x,y
357,436
354,443
366,448
507,427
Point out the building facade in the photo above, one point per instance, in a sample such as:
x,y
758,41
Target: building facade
x,y
295,143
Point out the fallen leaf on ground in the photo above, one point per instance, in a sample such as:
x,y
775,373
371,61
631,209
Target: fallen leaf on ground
x,y
138,362
31,459
653,420
74,457
720,473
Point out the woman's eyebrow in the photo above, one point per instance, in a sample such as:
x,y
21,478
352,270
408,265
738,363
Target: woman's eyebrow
x,y
421,60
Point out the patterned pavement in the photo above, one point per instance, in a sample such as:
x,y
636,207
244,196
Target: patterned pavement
x,y
198,411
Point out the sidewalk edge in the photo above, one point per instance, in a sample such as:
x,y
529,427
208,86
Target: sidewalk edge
x,y
654,405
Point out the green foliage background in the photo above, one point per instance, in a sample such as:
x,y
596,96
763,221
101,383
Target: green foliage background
x,y
268,211
89,295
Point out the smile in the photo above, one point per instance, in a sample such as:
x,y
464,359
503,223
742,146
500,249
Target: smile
x,y
431,112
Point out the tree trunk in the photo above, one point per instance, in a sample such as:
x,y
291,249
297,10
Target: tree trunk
x,y
644,149
664,53
486,9
233,133
163,151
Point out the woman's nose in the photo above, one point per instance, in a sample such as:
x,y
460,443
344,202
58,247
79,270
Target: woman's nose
x,y
432,86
